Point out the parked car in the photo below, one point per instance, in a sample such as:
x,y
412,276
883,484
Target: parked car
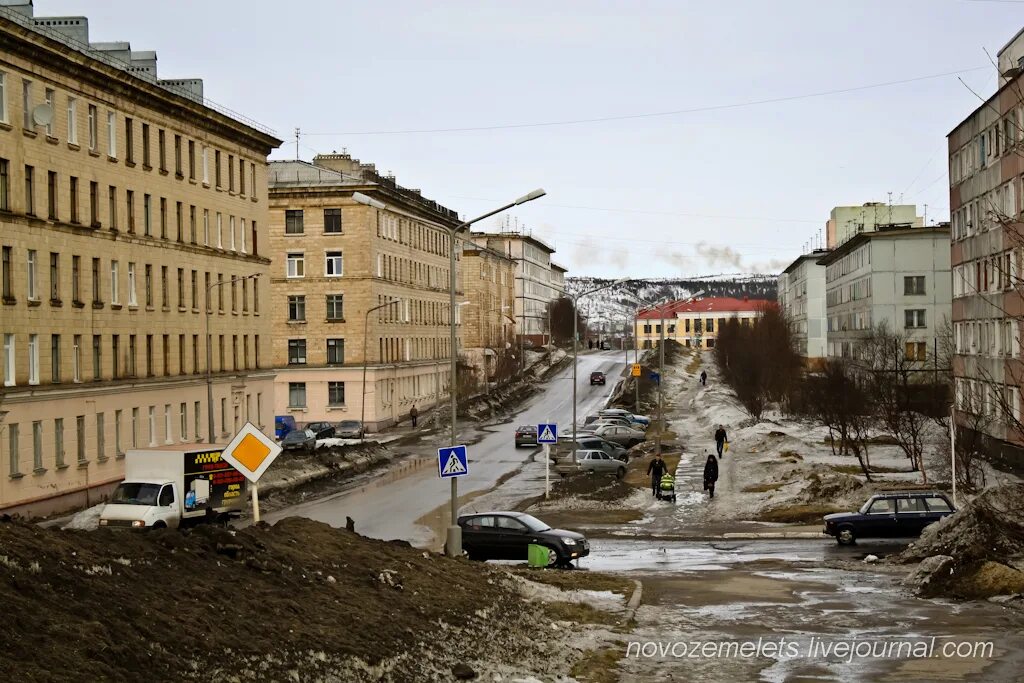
x,y
526,435
595,461
321,430
282,425
624,436
620,412
596,378
299,440
349,429
602,421
506,535
588,442
889,515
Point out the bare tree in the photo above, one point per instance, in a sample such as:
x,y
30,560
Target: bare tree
x,y
561,311
837,401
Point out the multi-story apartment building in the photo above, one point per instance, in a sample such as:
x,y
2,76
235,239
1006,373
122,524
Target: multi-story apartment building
x,y
128,208
899,277
335,259
488,322
801,292
845,222
695,323
986,162
537,284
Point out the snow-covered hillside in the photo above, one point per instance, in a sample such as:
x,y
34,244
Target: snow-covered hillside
x,y
610,308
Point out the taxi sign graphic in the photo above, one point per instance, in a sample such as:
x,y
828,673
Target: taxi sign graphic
x,y
637,370
251,452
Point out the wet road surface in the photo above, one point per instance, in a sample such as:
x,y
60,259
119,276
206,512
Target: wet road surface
x,y
409,502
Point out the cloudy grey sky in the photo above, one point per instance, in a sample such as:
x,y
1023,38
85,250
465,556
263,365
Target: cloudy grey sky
x,y
712,189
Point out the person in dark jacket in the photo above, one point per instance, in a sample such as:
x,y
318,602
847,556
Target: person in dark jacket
x,y
720,439
656,469
710,475
703,378
414,415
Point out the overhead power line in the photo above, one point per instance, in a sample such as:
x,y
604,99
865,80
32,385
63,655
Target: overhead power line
x,y
674,112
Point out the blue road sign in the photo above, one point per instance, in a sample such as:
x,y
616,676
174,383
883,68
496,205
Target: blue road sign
x,y
654,377
547,433
452,461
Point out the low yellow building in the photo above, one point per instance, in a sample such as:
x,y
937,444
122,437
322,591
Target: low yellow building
x,y
695,323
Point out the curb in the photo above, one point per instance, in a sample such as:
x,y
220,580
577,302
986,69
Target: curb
x,y
774,534
634,600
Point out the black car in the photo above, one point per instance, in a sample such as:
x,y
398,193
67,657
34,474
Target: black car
x,y
321,430
506,535
526,435
299,440
596,378
889,515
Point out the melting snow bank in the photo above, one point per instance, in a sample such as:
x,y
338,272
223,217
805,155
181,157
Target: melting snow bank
x,y
976,553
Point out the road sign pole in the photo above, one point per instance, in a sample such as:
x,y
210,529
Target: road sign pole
x,y
547,470
255,503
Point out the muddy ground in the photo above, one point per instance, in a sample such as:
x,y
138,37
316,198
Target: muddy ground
x,y
296,601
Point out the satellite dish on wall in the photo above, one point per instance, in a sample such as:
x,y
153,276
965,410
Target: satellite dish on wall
x,y
42,115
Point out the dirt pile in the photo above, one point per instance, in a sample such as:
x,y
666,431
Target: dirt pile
x,y
299,600
984,544
586,486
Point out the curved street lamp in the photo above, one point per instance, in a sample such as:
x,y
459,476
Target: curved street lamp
x,y
366,324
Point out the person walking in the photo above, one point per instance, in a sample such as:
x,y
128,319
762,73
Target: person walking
x,y
656,469
710,475
721,440
414,415
703,378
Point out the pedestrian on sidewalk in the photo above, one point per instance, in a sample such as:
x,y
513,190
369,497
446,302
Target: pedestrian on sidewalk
x,y
710,475
414,415
656,469
703,378
721,440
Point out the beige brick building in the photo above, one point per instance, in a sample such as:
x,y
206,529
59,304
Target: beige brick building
x,y
489,325
124,199
335,259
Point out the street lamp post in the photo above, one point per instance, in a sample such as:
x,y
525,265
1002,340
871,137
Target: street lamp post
x,y
366,326
575,346
209,351
453,544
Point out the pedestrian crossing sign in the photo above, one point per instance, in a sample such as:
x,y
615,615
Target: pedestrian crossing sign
x,y
452,461
547,433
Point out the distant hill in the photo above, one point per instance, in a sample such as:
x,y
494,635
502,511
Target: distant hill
x,y
611,307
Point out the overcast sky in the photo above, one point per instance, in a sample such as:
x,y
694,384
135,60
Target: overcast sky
x,y
721,190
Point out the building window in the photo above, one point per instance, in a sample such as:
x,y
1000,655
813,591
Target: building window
x,y
55,358
168,429
94,204
54,277
101,438
296,394
30,192
192,166
183,420
296,265
111,134
115,355
112,206
220,231
231,173
96,282
97,358
49,95
147,215
297,307
9,351
58,442
216,168
26,104
181,288
33,294
129,141
913,284
916,350
73,191
12,449
130,208
335,307
6,275
335,351
145,147
152,425
206,227
231,232
115,289
332,220
51,195
335,393
293,222
5,185
333,266
161,148
37,446
177,157
94,137
132,300
76,358
296,352
163,217
76,279
118,450
33,359
149,285
3,97
914,318
206,166
179,218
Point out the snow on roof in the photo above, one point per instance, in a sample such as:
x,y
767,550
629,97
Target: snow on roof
x,y
721,304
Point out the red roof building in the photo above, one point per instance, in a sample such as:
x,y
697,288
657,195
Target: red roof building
x,y
695,323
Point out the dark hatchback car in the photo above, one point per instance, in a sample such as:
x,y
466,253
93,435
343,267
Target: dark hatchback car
x,y
596,378
889,515
526,435
321,430
506,535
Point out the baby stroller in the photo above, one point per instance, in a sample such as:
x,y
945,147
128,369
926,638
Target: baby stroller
x,y
667,488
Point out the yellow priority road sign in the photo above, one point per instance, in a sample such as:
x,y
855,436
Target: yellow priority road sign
x,y
636,370
251,452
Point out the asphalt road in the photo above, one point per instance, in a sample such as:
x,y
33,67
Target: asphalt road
x,y
411,504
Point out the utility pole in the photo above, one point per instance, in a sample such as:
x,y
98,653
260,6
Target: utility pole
x,y
298,133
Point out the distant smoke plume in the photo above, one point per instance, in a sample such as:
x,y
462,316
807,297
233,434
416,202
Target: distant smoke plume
x,y
720,256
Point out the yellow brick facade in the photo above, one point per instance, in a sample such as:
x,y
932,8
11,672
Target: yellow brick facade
x,y
362,257
489,328
102,317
